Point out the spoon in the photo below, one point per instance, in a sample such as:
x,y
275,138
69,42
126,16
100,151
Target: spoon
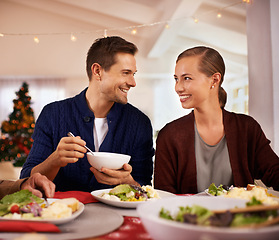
x,y
72,135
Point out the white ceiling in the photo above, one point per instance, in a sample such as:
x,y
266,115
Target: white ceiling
x,y
88,19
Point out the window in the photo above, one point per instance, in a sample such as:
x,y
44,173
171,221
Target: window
x,y
41,90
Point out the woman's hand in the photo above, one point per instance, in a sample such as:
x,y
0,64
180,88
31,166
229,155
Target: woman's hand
x,y
39,184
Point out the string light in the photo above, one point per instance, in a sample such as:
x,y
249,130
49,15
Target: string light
x,y
73,38
36,40
134,28
105,33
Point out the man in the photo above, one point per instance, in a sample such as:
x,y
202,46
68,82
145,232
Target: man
x,y
37,184
102,119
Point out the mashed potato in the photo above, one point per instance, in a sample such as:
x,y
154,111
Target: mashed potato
x,y
258,192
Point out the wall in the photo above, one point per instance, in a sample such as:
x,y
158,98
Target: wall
x,y
263,57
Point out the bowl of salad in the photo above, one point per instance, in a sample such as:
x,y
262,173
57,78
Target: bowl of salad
x,y
194,217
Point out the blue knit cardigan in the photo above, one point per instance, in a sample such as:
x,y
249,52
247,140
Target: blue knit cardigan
x,y
130,132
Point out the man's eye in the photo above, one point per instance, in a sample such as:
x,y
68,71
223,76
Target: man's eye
x,y
176,79
187,78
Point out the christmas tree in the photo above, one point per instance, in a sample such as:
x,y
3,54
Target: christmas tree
x,y
16,142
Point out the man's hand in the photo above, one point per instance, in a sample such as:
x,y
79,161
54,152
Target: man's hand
x,y
39,184
69,150
115,177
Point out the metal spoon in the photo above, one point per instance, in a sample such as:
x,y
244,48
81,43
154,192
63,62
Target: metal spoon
x,y
72,135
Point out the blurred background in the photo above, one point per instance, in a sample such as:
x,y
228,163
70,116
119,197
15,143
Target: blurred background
x,y
44,43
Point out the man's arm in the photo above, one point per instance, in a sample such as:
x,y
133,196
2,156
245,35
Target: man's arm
x,y
69,150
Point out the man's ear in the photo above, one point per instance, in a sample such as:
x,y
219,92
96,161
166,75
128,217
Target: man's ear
x,y
96,71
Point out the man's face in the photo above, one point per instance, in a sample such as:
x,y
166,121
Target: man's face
x,y
116,82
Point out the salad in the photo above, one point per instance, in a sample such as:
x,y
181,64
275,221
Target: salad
x,y
199,215
217,191
130,193
22,203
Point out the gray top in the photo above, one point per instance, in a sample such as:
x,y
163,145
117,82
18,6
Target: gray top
x,y
213,163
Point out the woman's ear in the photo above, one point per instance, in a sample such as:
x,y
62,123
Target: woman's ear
x,y
216,78
96,71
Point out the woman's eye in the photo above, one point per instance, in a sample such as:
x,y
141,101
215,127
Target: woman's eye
x,y
187,78
175,79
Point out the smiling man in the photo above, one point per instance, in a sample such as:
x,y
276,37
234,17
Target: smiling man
x,y
102,119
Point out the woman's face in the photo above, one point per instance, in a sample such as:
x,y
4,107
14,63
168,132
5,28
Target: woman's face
x,y
192,86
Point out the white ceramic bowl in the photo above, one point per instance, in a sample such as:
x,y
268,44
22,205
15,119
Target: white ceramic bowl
x,y
160,229
107,160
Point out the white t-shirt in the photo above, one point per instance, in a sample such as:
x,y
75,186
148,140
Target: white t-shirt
x,y
100,131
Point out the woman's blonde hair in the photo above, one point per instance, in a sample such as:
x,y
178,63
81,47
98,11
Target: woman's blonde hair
x,y
210,62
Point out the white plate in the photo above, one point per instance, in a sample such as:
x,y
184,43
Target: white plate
x,y
54,221
206,191
159,228
96,194
92,223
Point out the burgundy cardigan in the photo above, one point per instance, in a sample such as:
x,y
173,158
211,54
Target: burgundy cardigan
x,y
251,156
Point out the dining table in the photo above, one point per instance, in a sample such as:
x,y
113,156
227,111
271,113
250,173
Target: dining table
x,y
98,221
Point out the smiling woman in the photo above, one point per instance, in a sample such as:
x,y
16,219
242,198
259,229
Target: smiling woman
x,y
210,144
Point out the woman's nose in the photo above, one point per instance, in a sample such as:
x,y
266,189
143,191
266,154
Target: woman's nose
x,y
178,86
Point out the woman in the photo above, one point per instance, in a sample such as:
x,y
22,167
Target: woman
x,y
210,144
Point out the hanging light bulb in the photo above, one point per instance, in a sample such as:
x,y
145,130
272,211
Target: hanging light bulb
x,y
1,35
196,20
219,15
134,31
167,26
36,40
73,38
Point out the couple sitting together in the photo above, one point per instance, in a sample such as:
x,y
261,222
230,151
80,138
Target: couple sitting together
x,y
210,144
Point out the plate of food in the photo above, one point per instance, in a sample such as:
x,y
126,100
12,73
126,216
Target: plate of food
x,y
129,196
24,206
247,193
202,217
